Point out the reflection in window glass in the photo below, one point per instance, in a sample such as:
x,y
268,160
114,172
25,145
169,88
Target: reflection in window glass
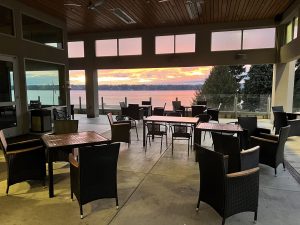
x,y
76,49
42,81
295,28
226,40
6,21
77,82
130,46
41,32
107,47
164,44
7,96
185,43
259,38
289,29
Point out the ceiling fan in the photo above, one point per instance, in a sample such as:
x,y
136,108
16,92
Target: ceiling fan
x,y
93,5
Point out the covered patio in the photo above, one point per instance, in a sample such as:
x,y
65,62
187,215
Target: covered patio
x,y
153,189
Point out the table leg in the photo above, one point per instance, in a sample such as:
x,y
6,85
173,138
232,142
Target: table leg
x,y
144,133
50,174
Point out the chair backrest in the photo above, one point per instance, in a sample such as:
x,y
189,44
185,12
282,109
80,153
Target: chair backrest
x,y
153,128
133,106
65,126
201,102
212,168
35,104
248,123
227,144
174,114
250,158
98,170
3,143
60,113
110,118
198,109
203,118
176,105
146,102
158,111
283,136
214,114
280,120
277,108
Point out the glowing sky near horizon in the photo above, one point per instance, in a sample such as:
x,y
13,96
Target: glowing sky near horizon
x,y
150,76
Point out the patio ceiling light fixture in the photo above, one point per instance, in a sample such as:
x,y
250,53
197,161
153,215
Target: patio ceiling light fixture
x,y
194,8
123,16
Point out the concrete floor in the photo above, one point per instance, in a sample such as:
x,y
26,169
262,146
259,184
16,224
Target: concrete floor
x,y
154,189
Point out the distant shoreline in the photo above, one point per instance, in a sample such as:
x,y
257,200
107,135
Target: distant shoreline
x,y
121,87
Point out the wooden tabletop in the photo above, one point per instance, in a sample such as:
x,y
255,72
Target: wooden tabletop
x,y
172,119
73,139
220,127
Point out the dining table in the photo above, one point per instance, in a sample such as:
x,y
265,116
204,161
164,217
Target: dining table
x,y
57,142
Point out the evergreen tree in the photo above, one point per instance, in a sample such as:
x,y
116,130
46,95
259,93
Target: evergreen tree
x,y
259,82
238,71
219,87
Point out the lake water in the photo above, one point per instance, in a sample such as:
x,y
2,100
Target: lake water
x,y
111,99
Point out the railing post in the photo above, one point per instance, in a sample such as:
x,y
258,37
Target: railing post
x,y
102,105
126,101
150,99
235,105
80,105
39,98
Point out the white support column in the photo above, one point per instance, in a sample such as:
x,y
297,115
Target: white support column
x,y
283,85
91,80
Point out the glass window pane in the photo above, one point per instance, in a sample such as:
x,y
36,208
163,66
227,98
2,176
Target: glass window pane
x,y
226,40
41,32
107,47
164,44
259,38
77,82
295,28
289,29
130,46
185,43
6,21
76,49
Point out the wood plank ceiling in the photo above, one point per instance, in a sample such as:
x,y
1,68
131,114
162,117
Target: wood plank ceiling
x,y
155,13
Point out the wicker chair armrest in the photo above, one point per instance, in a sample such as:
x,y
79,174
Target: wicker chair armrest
x,y
263,130
126,126
122,122
23,150
24,144
265,136
244,173
72,161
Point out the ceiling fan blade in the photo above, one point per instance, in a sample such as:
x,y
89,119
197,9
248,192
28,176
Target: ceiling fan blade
x,y
72,4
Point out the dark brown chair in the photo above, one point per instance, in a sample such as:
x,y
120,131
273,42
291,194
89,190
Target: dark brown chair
x,y
250,128
177,107
159,111
201,102
198,109
227,144
182,132
94,176
125,119
25,160
146,102
280,120
135,112
120,130
272,148
64,127
156,130
214,115
231,193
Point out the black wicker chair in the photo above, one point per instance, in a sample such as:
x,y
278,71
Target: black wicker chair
x,y
198,109
182,132
95,175
120,130
231,193
249,125
156,130
135,112
227,144
280,120
25,160
272,148
64,127
159,111
177,107
201,102
214,115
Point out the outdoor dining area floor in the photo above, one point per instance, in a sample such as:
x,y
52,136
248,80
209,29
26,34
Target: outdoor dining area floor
x,y
153,189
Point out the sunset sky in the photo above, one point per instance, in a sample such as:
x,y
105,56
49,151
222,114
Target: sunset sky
x,y
180,75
